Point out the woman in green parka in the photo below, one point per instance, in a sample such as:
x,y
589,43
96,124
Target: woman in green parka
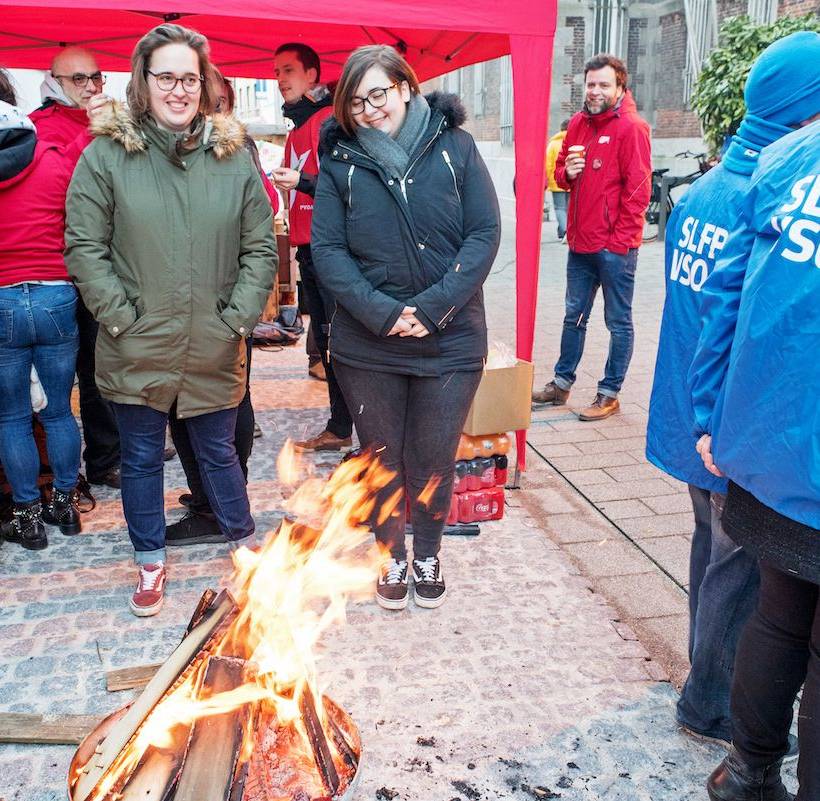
x,y
170,243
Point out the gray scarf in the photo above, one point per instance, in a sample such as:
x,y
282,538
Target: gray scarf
x,y
394,154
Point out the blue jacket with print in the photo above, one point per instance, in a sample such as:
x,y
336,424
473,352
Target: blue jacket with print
x,y
755,377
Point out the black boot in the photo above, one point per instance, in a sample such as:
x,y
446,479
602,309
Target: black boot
x,y
26,527
734,780
62,510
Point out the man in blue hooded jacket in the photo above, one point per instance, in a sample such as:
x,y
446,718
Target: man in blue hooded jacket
x,y
723,576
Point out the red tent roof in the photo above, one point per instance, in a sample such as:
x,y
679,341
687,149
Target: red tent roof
x,y
244,34
436,35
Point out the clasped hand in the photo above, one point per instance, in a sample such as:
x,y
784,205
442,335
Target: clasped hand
x,y
408,325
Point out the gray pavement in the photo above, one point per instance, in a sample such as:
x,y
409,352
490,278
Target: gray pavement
x,y
538,678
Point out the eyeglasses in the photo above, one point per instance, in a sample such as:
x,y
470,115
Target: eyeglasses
x,y
80,79
375,97
167,81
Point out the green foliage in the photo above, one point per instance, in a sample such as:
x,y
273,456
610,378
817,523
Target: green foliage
x,y
718,93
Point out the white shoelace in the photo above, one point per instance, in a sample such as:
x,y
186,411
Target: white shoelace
x,y
427,567
394,571
149,578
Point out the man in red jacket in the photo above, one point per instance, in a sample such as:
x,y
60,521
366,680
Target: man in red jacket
x,y
605,163
66,92
308,104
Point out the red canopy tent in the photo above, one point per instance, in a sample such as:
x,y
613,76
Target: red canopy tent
x,y
435,36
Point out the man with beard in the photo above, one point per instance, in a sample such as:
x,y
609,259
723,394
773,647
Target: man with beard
x,y
308,104
605,163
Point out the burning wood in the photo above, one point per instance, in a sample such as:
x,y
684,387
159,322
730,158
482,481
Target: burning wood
x,y
234,714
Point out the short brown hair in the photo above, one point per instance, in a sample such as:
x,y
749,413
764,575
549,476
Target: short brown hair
x,y
7,94
307,56
606,60
357,64
138,93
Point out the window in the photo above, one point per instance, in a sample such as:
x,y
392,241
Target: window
x,y
701,37
261,86
763,11
608,27
452,82
478,89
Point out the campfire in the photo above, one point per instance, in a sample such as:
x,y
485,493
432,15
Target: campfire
x,y
236,712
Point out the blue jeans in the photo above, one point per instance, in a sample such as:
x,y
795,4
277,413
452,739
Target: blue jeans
x,y
560,201
38,325
142,441
723,590
615,274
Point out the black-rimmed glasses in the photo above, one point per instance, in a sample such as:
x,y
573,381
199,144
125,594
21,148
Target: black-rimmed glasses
x,y
376,98
167,81
80,79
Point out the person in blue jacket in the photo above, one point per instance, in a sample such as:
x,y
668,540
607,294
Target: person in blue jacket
x,y
723,577
755,382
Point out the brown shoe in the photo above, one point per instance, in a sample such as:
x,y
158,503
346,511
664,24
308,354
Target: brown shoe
x,y
602,407
326,441
551,394
317,371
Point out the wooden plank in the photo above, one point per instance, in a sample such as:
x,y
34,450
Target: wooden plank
x,y
318,741
216,741
130,677
104,757
45,729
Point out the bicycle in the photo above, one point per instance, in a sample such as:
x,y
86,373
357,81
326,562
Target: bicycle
x,y
661,195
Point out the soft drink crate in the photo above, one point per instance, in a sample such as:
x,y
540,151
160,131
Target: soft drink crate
x,y
481,473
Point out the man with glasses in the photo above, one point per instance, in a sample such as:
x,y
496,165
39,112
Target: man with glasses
x,y
308,104
67,90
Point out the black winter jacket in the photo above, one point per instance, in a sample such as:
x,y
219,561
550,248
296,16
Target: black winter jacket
x,y
427,241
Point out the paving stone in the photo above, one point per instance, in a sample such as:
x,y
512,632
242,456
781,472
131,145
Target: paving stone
x,y
616,510
645,595
625,490
672,553
575,528
613,445
670,504
609,557
592,460
635,472
585,478
658,525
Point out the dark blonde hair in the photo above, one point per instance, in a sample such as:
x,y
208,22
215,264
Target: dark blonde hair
x,y
138,92
357,64
7,94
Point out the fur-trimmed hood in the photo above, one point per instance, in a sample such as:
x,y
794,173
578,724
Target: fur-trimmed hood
x,y
223,133
442,104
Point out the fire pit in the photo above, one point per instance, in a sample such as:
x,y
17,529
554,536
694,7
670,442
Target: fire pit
x,y
235,713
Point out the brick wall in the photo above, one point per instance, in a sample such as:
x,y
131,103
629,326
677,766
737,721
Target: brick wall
x,y
575,75
672,119
634,50
797,8
731,8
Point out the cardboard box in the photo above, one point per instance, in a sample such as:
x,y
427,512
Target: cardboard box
x,y
503,401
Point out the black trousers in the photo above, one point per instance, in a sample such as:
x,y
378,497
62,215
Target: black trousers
x,y
243,440
320,309
415,424
100,432
778,652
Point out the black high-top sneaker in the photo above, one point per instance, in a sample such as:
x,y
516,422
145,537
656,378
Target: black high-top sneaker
x,y
62,510
26,527
734,780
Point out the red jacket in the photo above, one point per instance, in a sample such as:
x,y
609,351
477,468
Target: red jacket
x,y
31,238
607,201
60,124
302,153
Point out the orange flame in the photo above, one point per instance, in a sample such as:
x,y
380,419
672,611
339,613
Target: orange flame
x,y
289,593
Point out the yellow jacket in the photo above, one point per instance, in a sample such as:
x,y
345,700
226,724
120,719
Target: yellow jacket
x,y
553,149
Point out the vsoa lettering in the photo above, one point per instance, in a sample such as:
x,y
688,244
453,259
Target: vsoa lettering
x,y
694,256
799,222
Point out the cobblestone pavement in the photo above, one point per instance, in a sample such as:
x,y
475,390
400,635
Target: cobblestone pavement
x,y
526,684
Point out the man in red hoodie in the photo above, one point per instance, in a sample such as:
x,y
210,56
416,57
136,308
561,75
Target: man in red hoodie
x,y
605,163
66,92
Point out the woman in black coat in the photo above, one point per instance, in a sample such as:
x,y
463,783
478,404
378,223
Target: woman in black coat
x,y
405,230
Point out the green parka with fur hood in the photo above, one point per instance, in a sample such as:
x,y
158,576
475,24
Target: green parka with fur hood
x,y
173,252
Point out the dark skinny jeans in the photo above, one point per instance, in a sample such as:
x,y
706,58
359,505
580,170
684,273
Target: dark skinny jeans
x,y
415,424
778,652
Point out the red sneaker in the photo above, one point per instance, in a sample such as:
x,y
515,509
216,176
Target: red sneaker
x,y
150,593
